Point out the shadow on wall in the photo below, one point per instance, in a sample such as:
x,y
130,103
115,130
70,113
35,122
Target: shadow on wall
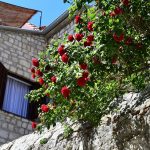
x,y
131,132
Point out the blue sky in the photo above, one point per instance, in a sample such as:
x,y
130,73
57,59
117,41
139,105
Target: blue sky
x,y
51,9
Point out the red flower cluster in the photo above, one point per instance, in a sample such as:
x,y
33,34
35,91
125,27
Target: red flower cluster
x,y
78,36
65,91
32,70
39,73
33,76
53,79
70,38
85,74
61,50
34,124
90,26
44,108
89,40
35,62
41,81
77,19
128,41
116,12
81,81
114,60
65,58
83,66
118,38
125,2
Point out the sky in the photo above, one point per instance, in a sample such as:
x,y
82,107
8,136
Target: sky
x,y
51,9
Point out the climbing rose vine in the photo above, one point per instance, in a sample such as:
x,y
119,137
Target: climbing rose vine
x,y
107,56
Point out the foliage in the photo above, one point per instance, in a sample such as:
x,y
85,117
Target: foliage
x,y
67,131
43,141
106,57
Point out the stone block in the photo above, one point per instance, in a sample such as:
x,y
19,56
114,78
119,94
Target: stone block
x,y
4,133
24,125
19,123
5,125
13,136
21,131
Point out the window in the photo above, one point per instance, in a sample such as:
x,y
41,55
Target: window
x,y
12,91
14,100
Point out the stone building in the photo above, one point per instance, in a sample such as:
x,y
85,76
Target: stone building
x,y
17,47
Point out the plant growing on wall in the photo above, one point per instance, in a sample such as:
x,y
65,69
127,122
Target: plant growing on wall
x,y
107,56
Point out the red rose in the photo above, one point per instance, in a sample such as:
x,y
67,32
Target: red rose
x,y
125,2
112,14
90,38
128,41
33,75
39,73
114,60
77,19
90,26
83,66
44,108
32,70
87,43
53,79
85,74
65,91
41,81
118,11
65,58
78,37
61,50
34,124
35,62
70,38
118,38
81,82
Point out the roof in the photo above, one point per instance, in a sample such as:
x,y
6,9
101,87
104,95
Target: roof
x,y
14,16
46,31
30,26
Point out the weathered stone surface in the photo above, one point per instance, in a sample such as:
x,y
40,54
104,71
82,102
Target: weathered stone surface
x,y
127,129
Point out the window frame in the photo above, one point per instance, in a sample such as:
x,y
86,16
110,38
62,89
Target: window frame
x,y
33,107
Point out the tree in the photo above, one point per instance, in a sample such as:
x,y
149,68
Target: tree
x,y
106,57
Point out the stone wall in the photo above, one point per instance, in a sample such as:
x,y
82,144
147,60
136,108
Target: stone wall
x,y
59,31
127,129
17,47
12,127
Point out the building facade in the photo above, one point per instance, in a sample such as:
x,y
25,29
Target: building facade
x,y
17,48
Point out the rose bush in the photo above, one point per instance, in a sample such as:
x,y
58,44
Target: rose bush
x,y
107,56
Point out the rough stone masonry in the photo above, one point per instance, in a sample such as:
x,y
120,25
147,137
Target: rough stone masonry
x,y
12,127
17,48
